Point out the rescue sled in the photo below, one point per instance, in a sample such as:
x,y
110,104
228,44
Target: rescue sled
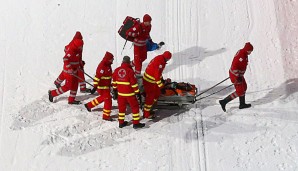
x,y
176,93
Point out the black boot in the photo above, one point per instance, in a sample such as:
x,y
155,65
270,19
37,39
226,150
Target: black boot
x,y
224,102
93,91
75,102
89,110
243,105
139,125
123,124
51,98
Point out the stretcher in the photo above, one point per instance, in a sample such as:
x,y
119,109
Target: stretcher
x,y
175,93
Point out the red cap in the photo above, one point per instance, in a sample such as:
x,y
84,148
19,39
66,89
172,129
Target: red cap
x,y
167,55
78,35
248,47
147,18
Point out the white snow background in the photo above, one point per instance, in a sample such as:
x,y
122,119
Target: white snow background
x,y
203,35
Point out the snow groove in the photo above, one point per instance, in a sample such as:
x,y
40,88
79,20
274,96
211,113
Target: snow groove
x,y
202,146
34,112
2,104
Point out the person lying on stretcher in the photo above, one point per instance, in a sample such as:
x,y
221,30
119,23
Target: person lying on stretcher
x,y
178,88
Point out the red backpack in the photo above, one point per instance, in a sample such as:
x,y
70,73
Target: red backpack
x,y
128,23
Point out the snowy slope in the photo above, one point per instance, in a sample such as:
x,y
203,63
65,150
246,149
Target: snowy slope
x,y
203,36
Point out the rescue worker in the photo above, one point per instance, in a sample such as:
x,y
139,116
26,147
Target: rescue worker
x,y
236,73
126,89
152,81
141,34
81,75
70,72
102,81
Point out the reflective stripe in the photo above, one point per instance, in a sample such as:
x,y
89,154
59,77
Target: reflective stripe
x,y
103,87
147,110
237,72
160,85
147,105
126,94
234,95
136,119
148,80
149,76
74,63
137,91
114,87
95,82
105,78
94,102
114,82
122,83
135,114
136,85
107,111
107,114
96,79
121,116
139,44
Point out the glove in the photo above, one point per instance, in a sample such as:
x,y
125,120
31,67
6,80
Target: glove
x,y
93,90
83,62
115,94
239,79
161,44
162,80
139,97
163,91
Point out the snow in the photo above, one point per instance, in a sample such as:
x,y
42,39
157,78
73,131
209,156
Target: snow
x,y
203,36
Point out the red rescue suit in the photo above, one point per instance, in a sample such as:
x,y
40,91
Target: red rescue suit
x,y
237,71
71,66
80,74
152,80
125,82
102,81
141,34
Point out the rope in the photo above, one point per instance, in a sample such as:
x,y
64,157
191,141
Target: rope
x,y
214,92
213,87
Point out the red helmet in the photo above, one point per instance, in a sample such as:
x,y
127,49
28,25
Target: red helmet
x,y
108,56
248,47
167,55
78,35
78,43
147,18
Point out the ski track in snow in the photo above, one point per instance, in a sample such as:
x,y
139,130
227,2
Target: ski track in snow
x,y
2,103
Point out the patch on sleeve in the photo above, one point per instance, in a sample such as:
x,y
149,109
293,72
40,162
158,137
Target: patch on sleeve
x,y
68,55
101,71
134,29
240,59
160,66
